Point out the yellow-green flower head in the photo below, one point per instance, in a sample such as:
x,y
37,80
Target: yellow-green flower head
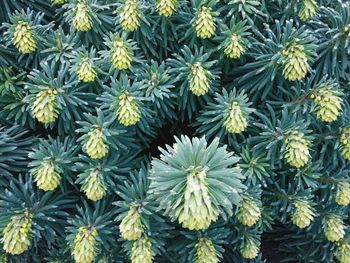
x,y
235,48
58,2
308,10
250,249
342,196
46,176
131,226
347,30
86,71
24,39
303,214
205,251
335,229
249,213
198,211
205,23
130,16
295,62
141,251
16,235
166,7
343,252
85,245
44,107
82,19
345,143
128,112
297,151
328,105
94,186
200,80
96,146
121,56
235,122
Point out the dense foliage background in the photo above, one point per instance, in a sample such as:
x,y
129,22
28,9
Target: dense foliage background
x,y
174,131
